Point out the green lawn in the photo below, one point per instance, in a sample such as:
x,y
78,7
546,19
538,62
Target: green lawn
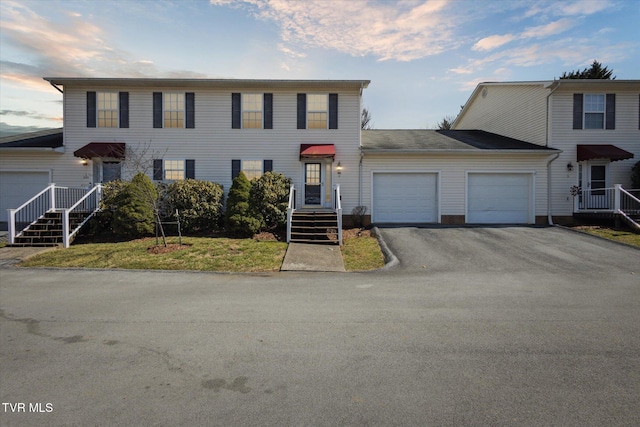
x,y
198,253
623,236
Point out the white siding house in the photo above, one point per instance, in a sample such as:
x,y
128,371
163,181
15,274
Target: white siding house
x,y
594,123
205,129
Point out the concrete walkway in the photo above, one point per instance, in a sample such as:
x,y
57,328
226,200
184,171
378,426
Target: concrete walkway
x,y
310,257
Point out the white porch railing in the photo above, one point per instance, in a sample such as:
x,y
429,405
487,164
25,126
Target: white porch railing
x,y
337,206
614,200
55,198
291,208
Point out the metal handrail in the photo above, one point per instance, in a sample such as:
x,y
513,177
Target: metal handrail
x,y
291,207
337,203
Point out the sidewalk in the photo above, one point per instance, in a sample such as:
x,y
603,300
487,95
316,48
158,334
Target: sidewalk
x,y
309,257
10,256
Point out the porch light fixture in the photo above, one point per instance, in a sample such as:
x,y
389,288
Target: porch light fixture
x,y
569,166
339,169
84,162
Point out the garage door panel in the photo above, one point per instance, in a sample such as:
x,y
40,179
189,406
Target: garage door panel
x,y
495,198
405,197
17,187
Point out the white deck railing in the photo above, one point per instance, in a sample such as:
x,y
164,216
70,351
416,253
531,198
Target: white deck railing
x,y
291,208
614,200
337,206
54,198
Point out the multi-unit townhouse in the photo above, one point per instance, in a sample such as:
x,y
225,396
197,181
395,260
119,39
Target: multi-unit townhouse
x,y
594,123
204,129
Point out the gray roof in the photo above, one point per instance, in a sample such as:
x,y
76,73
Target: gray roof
x,y
48,138
417,140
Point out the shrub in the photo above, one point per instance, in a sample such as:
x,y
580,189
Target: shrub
x,y
635,176
199,204
269,199
238,220
101,222
135,210
357,214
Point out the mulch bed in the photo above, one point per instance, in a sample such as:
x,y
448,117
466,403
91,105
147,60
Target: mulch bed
x,y
162,249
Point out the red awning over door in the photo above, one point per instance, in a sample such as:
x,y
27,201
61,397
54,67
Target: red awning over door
x,y
102,149
602,151
317,151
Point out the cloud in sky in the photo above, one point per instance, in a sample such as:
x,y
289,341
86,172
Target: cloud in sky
x,y
402,31
30,114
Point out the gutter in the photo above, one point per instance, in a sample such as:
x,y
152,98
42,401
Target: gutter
x,y
41,149
463,151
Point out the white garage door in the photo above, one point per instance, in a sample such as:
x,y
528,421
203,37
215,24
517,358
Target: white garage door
x,y
499,198
18,187
405,197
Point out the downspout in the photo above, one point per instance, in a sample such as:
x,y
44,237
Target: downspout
x,y
546,143
550,219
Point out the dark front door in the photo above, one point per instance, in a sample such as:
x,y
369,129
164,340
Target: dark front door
x,y
312,184
110,171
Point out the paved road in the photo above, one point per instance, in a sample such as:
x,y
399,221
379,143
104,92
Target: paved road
x,y
496,326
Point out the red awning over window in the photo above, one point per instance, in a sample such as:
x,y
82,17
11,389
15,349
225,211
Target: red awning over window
x,y
317,151
602,151
102,149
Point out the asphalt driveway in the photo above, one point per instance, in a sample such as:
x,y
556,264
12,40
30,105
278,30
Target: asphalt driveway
x,y
496,326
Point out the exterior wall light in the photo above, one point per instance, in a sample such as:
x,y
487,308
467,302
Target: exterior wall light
x,y
569,166
339,169
84,162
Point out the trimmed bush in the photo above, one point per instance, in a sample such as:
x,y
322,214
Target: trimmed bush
x,y
135,208
199,204
238,220
269,199
100,223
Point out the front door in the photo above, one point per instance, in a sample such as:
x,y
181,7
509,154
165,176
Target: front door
x,y
313,184
595,180
105,171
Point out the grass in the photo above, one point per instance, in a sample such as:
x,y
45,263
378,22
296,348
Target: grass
x,y
199,253
361,253
205,254
622,236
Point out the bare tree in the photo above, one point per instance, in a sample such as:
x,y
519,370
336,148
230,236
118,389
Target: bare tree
x,y
140,158
365,120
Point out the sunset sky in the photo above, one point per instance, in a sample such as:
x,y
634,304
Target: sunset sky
x,y
423,57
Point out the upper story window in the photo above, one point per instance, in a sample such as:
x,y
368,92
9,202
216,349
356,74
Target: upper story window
x,y
107,106
594,111
252,111
107,109
174,110
317,111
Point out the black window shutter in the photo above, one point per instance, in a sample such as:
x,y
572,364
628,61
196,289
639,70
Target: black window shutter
x,y
302,111
190,110
267,166
157,170
124,109
333,111
157,109
236,110
611,111
190,169
235,168
268,110
577,111
91,109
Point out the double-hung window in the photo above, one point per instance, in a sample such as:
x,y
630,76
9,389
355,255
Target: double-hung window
x,y
252,168
594,111
173,170
107,107
174,110
317,111
252,110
